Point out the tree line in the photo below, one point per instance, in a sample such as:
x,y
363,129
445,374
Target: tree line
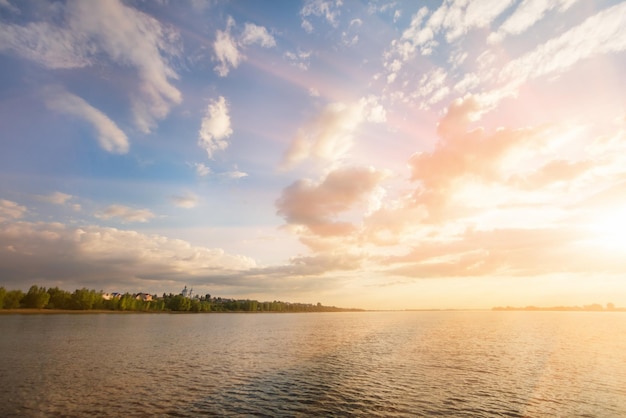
x,y
84,299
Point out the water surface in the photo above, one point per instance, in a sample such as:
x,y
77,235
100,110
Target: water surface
x,y
519,364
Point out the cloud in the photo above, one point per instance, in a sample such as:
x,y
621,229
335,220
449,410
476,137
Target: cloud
x,y
254,34
525,16
110,137
56,198
4,4
306,266
46,44
329,136
10,210
109,258
127,36
452,19
320,8
215,128
507,251
462,155
132,38
235,174
227,47
598,34
187,201
226,50
499,75
316,205
202,170
307,26
300,59
125,213
432,87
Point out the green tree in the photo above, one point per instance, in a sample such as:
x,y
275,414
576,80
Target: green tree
x,y
59,299
84,299
3,293
36,298
12,299
179,303
128,302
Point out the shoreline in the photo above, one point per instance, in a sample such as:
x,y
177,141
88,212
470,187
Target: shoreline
x,y
28,311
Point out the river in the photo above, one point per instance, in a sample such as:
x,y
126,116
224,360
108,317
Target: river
x,y
386,364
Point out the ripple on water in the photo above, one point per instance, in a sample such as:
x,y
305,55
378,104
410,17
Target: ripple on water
x,y
363,364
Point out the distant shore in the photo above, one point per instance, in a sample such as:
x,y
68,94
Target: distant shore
x,y
27,311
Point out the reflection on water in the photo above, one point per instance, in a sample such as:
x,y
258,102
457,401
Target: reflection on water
x,y
370,364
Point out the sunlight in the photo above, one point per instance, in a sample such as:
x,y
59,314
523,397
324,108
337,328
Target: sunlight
x,y
609,228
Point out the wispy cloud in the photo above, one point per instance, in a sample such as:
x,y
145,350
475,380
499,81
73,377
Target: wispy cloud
x,y
202,170
327,9
235,174
123,34
215,128
329,136
228,47
226,50
597,35
10,210
188,200
110,137
254,34
56,198
526,15
125,214
130,37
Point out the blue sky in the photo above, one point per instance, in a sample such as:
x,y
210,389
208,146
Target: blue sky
x,y
373,154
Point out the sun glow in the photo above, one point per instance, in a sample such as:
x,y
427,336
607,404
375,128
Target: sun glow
x,y
608,228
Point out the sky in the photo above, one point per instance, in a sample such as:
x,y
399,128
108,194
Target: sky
x,y
369,154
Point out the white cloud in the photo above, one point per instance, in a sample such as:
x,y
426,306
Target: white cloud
x,y
320,8
125,213
307,26
463,16
127,36
356,22
598,34
226,50
110,137
10,210
453,19
526,15
132,38
187,201
235,174
257,34
329,136
227,47
202,170
300,59
215,127
47,45
110,258
56,198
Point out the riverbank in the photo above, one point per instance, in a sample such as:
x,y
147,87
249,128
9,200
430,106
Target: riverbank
x,y
26,311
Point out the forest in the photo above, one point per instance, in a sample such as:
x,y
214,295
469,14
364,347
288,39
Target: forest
x,y
84,299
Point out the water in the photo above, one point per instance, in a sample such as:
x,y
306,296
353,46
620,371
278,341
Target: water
x,y
387,364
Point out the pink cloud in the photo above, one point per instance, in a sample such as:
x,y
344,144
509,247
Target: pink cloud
x,y
316,205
